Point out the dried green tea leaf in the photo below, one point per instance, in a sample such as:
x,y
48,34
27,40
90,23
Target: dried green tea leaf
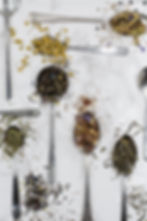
x,y
124,155
14,139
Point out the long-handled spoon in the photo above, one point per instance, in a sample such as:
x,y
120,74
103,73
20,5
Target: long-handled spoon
x,y
7,13
86,135
52,83
143,87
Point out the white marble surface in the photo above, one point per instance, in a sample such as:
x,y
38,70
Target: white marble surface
x,y
111,80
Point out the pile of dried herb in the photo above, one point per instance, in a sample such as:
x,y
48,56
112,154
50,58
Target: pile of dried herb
x,y
86,131
14,138
36,192
52,83
128,23
124,155
51,47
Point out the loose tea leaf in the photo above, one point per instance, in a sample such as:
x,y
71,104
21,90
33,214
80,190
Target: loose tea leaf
x,y
124,155
52,47
36,192
14,139
128,23
52,83
86,131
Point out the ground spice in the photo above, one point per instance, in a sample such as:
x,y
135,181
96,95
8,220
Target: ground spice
x,y
52,83
124,155
86,131
14,139
12,32
128,23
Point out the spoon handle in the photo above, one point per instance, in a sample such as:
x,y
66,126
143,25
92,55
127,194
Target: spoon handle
x,y
87,215
115,50
6,15
52,146
123,201
16,198
145,133
52,18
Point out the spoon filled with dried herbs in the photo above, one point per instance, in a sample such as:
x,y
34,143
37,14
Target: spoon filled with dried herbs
x,y
124,158
143,87
86,135
52,84
128,23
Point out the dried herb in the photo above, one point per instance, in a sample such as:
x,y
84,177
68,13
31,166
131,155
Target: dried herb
x,y
36,192
86,131
52,47
14,138
124,155
128,23
52,83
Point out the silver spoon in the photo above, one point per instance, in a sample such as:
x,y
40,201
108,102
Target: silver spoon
x,y
7,12
143,87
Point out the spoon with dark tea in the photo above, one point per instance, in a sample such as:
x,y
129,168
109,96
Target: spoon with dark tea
x,y
52,83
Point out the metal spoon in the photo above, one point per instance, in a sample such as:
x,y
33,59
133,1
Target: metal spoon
x,y
143,87
7,12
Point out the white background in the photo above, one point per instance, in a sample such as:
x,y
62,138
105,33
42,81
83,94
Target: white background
x,y
111,80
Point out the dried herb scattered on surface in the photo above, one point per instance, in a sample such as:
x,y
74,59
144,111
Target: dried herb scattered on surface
x,y
137,200
86,131
14,138
52,83
52,47
36,192
128,23
124,155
